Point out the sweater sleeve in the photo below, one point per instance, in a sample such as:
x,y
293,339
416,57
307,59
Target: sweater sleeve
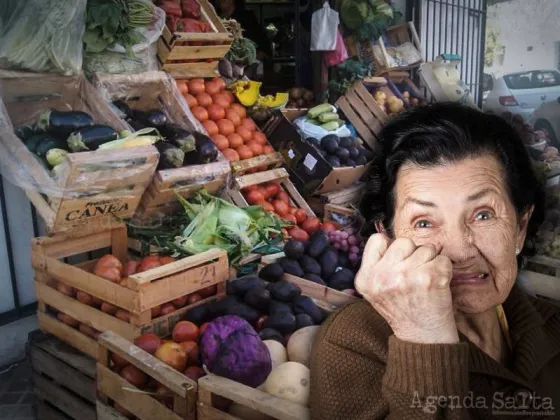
x,y
354,384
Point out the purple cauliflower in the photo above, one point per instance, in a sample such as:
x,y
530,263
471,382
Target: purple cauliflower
x,y
231,348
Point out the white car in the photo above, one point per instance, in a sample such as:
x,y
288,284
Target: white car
x,y
522,93
547,118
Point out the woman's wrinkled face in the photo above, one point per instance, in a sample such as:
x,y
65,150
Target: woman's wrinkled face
x,y
463,209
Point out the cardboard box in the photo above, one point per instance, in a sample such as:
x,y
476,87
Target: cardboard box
x,y
309,171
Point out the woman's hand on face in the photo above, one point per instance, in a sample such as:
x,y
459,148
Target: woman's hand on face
x,y
409,286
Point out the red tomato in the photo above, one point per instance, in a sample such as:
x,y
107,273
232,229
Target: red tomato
x,y
272,189
149,262
311,225
267,206
129,268
293,210
255,197
299,234
166,260
301,216
283,195
329,226
291,218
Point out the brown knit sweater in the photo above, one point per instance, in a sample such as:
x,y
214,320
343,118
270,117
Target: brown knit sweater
x,y
361,371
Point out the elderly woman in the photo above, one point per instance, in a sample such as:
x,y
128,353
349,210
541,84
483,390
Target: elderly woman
x,y
443,331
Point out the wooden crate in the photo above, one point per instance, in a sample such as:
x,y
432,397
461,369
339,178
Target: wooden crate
x,y
363,112
63,379
114,388
212,389
138,294
157,90
257,164
279,176
349,196
396,36
189,55
91,188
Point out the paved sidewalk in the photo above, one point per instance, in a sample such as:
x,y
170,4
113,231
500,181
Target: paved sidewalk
x,y
16,393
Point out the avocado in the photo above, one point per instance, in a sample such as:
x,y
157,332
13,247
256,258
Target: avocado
x,y
329,143
342,154
198,315
310,265
218,307
306,305
258,298
303,320
243,311
272,272
275,306
334,161
345,142
361,160
291,267
343,279
284,291
318,242
241,286
284,322
271,334
368,154
315,279
353,152
294,249
329,261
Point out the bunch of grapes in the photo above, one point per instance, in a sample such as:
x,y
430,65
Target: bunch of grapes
x,y
347,241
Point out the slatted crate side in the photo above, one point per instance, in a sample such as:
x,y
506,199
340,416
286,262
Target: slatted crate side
x,y
63,379
363,112
188,55
143,405
211,386
279,176
257,164
91,187
398,35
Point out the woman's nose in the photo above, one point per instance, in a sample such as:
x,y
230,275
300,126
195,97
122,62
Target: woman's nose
x,y
457,244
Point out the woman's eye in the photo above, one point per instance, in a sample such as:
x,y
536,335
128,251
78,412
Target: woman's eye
x,y
483,215
422,224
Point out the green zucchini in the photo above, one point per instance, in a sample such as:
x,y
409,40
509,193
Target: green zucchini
x,y
56,157
90,138
330,126
312,121
36,139
318,110
327,117
50,143
24,132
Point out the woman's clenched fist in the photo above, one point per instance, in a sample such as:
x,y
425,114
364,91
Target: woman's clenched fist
x,y
409,286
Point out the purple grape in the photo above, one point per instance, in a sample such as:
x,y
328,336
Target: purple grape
x,y
352,240
344,247
354,249
336,245
350,231
344,235
353,257
344,242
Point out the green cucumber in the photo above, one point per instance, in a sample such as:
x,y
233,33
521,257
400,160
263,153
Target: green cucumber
x,y
330,126
318,110
50,143
312,121
328,116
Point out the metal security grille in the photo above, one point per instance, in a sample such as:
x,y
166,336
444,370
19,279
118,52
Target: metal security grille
x,y
453,27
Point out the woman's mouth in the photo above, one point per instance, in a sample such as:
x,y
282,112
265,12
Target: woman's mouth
x,y
469,278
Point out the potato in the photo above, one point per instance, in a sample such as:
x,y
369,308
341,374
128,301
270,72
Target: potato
x,y
277,352
300,343
247,413
380,96
290,381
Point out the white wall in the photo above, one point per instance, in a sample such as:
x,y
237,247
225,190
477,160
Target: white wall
x,y
524,24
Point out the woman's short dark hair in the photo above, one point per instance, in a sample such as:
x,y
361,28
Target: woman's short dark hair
x,y
444,133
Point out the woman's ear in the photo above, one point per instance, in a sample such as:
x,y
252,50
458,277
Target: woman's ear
x,y
523,225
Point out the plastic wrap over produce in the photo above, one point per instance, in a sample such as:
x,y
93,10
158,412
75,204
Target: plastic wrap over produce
x,y
42,35
56,137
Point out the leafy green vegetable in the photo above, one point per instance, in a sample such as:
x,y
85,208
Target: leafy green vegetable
x,y
110,22
368,19
243,51
346,73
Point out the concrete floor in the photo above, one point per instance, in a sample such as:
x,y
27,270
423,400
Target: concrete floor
x,y
13,338
16,393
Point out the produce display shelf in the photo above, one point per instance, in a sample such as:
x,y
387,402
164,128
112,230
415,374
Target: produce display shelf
x,y
63,379
157,90
189,55
140,293
279,176
91,189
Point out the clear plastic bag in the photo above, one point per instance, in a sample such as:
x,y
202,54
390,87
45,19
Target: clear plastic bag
x,y
42,35
116,61
312,130
93,175
324,27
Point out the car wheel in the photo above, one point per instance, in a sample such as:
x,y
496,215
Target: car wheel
x,y
545,125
